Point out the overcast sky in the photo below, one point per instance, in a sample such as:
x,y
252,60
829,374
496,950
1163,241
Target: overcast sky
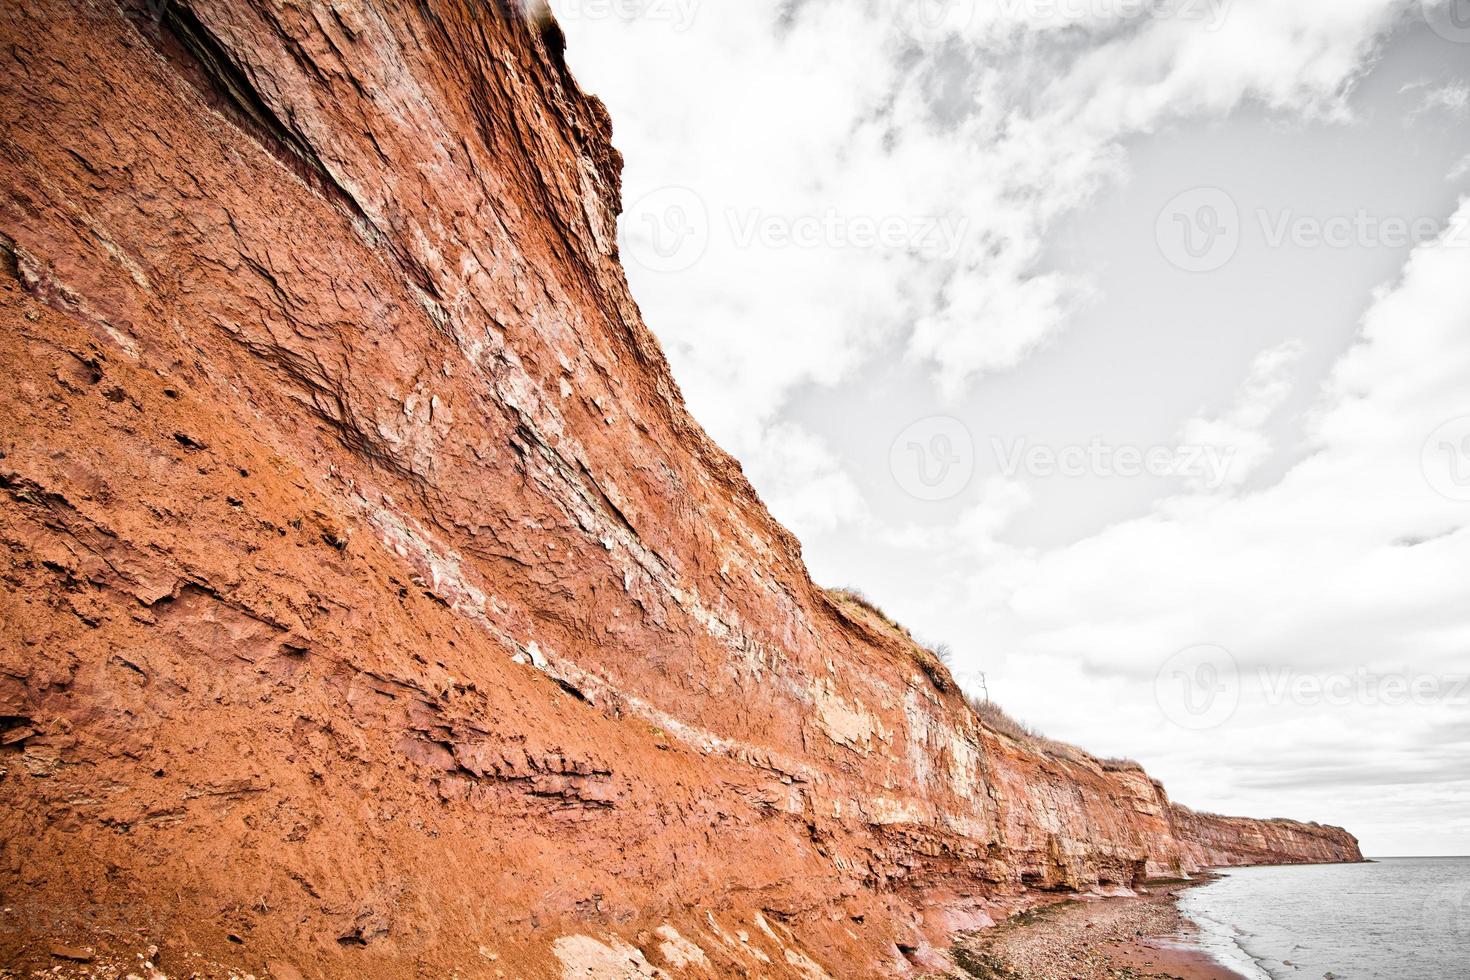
x,y
1122,345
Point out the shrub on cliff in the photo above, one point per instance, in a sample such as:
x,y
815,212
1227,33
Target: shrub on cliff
x,y
1120,765
997,719
856,597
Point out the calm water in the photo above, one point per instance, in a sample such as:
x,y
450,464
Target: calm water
x,y
1401,919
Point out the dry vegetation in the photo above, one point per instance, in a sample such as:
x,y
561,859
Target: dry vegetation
x,y
997,719
856,597
1119,765
935,660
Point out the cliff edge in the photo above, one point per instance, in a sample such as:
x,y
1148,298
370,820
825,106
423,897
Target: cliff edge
x,y
372,605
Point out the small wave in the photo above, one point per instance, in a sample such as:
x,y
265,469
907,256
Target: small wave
x,y
1218,939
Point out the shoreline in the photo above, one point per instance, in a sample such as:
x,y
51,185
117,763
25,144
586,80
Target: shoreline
x,y
1140,937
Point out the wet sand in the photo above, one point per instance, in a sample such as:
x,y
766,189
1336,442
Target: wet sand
x,y
1099,939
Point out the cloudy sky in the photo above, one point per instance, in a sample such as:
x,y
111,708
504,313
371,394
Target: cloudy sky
x,y
1122,345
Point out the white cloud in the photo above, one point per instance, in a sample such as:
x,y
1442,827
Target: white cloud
x,y
1356,559
1451,98
1000,500
794,110
802,482
1001,125
1240,434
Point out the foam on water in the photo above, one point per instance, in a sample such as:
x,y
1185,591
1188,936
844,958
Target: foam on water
x,y
1221,943
1397,919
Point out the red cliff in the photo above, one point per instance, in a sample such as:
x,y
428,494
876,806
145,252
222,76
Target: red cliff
x,y
372,605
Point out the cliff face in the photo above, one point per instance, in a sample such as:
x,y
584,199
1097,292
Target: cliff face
x,y
1209,841
371,603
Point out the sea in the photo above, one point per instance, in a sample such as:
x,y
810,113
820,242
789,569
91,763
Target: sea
x,y
1396,918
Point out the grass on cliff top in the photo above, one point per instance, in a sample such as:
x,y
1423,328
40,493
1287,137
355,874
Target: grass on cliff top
x,y
934,662
849,596
997,719
1120,765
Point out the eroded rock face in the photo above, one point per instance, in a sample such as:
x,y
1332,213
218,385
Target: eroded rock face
x,y
371,602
